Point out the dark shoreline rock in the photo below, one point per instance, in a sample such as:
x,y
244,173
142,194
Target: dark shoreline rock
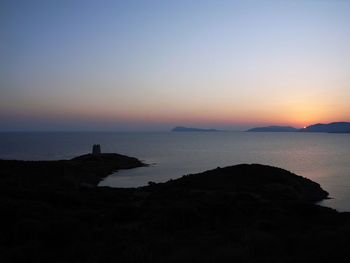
x,y
243,213
106,163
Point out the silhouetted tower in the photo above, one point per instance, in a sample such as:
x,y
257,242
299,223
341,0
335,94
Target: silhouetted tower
x,y
96,150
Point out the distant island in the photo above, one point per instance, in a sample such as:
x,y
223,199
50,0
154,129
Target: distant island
x,y
187,129
333,127
274,129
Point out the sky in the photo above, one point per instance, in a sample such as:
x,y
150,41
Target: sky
x,y
152,65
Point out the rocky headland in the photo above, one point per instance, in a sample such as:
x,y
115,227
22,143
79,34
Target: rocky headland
x,y
87,169
52,211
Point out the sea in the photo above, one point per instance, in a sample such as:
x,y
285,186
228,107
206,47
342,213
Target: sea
x,y
321,157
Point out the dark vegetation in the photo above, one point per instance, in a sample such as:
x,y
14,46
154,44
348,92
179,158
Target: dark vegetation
x,y
52,212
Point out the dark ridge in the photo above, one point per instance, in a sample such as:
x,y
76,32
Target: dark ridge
x,y
267,182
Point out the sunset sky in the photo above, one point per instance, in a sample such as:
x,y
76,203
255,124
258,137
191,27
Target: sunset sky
x,y
152,65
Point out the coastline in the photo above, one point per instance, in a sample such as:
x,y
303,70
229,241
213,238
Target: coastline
x,y
82,170
246,213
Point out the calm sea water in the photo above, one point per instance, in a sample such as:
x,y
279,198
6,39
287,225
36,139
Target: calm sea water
x,y
324,158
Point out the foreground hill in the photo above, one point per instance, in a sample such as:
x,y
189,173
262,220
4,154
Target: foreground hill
x,y
265,182
245,213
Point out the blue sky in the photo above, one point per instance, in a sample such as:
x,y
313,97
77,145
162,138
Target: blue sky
x,y
150,65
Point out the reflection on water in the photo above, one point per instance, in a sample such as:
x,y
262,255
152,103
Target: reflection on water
x,y
324,158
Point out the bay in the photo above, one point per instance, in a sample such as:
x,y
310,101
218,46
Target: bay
x,y
321,157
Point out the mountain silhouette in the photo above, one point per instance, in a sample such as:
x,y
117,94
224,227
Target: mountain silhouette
x,y
334,127
274,129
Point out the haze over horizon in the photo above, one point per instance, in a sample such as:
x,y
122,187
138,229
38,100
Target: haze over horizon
x,y
153,65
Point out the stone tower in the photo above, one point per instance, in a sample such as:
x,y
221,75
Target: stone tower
x,y
96,150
